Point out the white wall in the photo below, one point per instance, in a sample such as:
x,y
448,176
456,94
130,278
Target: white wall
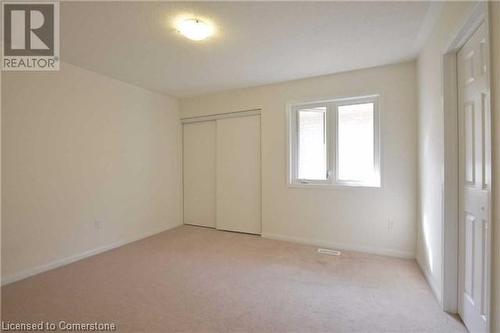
x,y
431,141
78,147
343,217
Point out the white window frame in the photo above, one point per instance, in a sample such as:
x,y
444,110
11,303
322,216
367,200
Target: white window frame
x,y
331,132
294,126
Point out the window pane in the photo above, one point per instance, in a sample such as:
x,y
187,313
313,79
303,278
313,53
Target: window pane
x,y
312,143
356,142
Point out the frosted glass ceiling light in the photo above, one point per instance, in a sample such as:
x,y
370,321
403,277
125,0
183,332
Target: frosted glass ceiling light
x,y
195,29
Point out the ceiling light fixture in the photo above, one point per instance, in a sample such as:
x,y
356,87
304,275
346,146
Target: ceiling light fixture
x,y
195,29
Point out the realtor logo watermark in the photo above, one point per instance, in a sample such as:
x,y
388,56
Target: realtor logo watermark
x,y
31,36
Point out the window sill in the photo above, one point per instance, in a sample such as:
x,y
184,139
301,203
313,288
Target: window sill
x,y
335,185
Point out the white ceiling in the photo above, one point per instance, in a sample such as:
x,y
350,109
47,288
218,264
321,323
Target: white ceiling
x,y
256,42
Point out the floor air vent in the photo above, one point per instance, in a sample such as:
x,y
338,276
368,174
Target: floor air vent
x,y
329,252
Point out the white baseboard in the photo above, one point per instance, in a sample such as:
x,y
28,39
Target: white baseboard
x,y
341,246
430,282
65,261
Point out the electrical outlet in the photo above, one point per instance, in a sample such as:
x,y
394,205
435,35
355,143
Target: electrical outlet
x,y
98,224
390,224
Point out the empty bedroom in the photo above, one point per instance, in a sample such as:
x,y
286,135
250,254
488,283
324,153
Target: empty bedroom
x,y
250,166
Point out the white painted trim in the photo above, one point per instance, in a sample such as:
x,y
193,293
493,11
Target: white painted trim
x,y
477,15
303,102
336,186
68,260
244,113
450,185
341,246
450,213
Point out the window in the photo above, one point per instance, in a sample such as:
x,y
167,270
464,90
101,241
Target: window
x,y
356,143
335,143
312,153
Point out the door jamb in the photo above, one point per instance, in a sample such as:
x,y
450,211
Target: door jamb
x,y
450,235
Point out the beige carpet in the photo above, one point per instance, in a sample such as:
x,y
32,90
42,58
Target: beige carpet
x,y
192,279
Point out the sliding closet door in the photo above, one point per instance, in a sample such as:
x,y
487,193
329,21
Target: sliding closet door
x,y
238,174
199,173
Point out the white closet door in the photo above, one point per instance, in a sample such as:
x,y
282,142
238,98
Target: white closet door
x,y
199,173
238,174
